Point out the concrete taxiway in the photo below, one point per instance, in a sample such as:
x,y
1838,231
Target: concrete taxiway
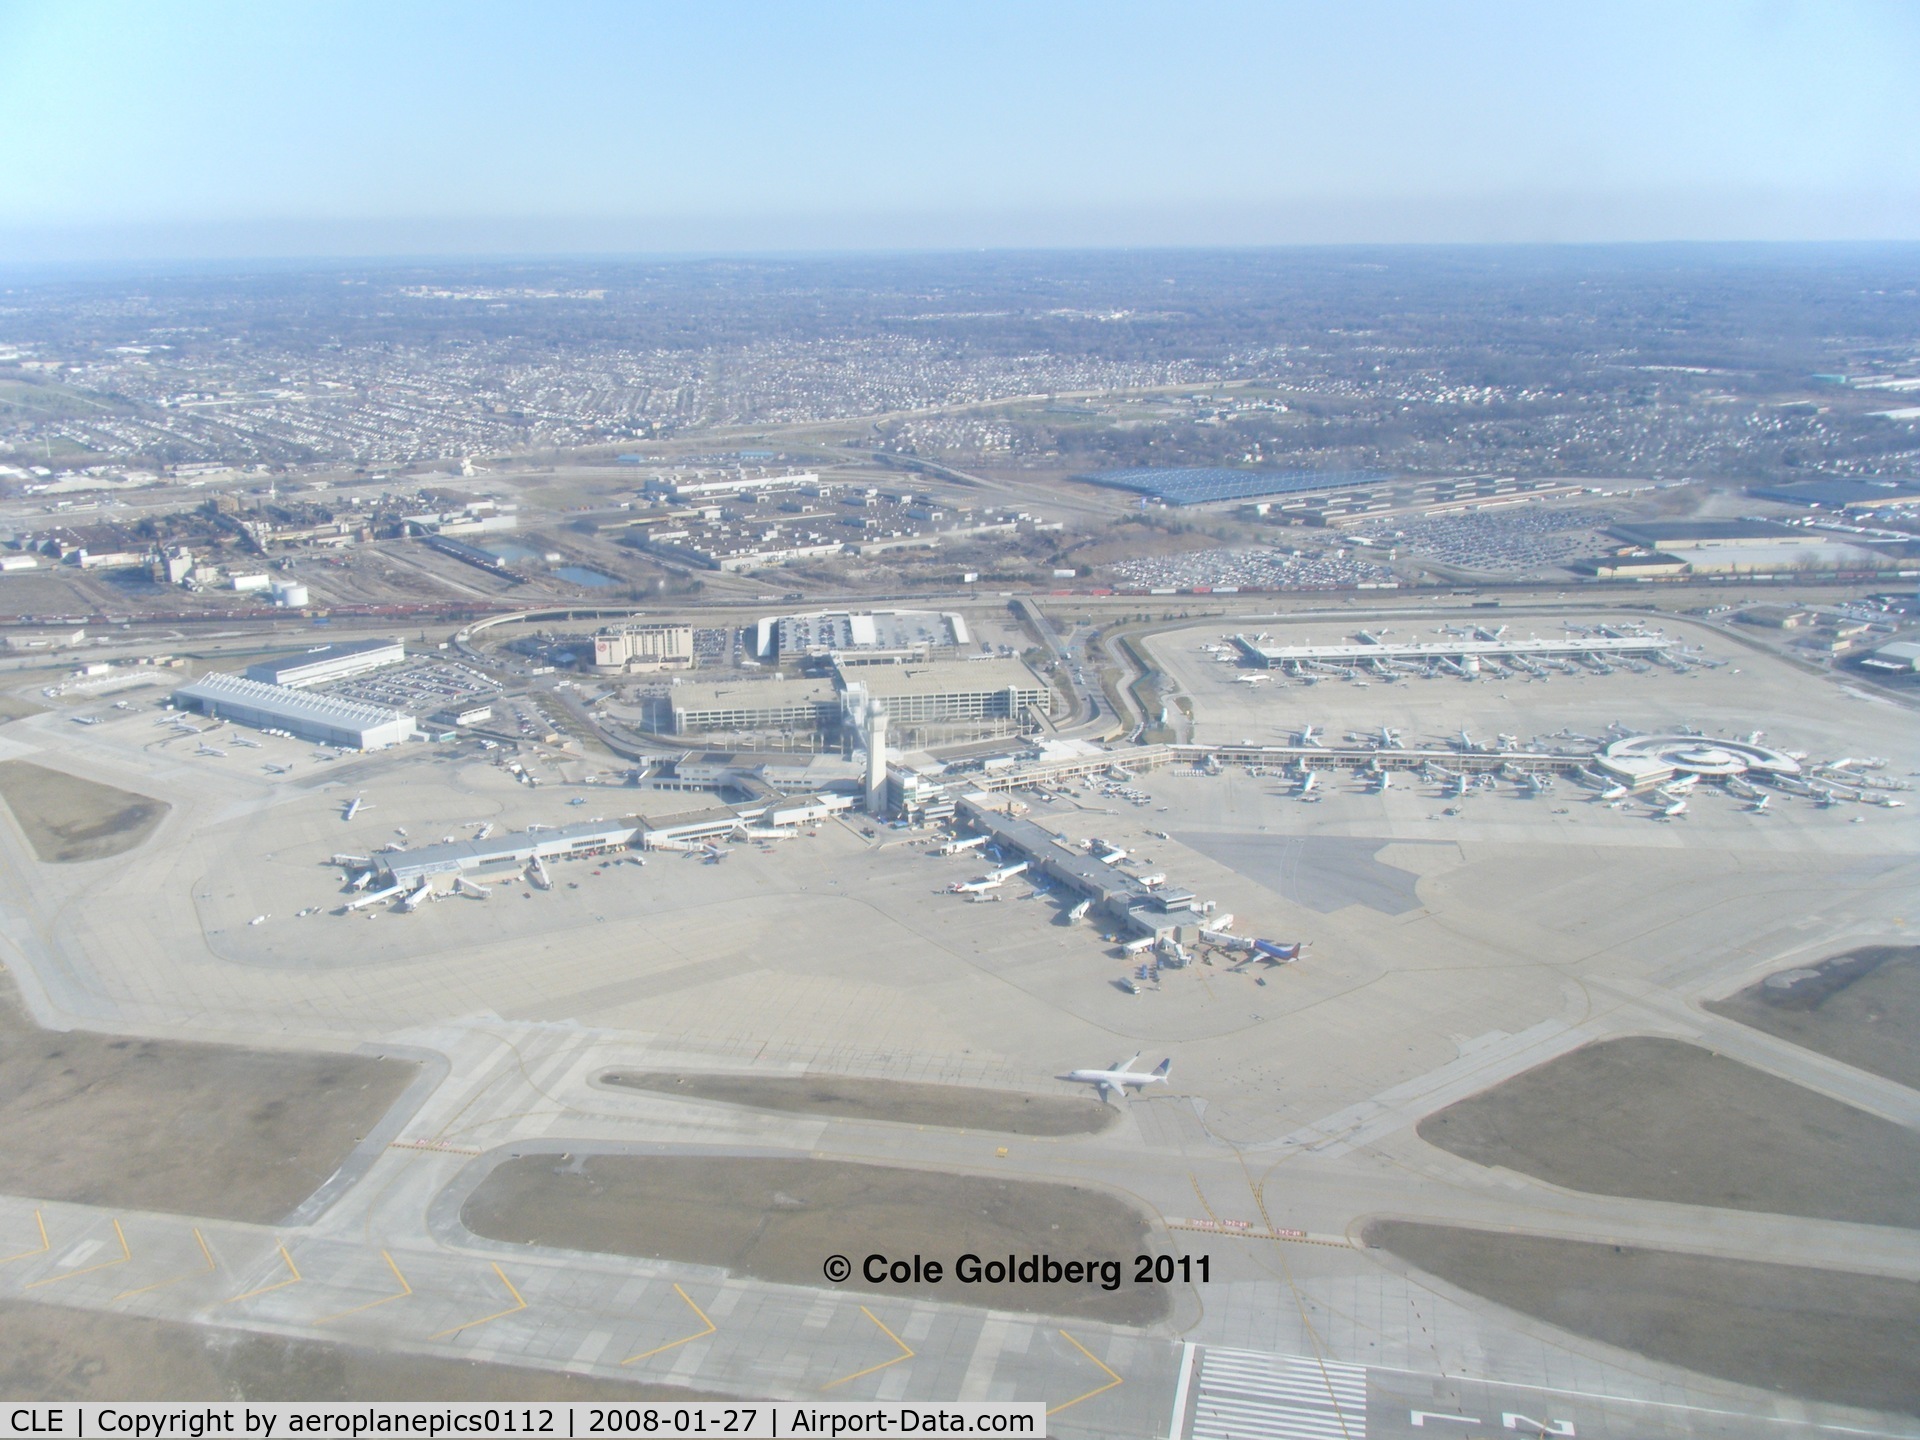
x,y
1446,953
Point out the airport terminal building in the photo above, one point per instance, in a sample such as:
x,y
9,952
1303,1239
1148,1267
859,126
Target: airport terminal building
x,y
323,719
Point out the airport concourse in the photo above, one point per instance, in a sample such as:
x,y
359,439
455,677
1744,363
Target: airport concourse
x,y
1121,723
1409,940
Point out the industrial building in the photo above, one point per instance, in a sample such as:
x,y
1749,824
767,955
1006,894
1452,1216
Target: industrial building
x,y
1205,485
1707,534
881,635
948,690
754,705
1902,657
675,488
327,662
347,724
643,646
1853,495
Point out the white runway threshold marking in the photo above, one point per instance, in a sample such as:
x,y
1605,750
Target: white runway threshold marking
x,y
1245,1395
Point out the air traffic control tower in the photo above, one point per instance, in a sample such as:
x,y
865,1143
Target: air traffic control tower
x,y
876,759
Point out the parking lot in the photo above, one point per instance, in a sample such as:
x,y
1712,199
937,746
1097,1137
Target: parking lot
x,y
1521,539
1250,570
419,685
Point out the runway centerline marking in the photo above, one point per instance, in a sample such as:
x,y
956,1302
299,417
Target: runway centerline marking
x,y
1113,1377
125,1256
404,1291
293,1270
906,1353
212,1265
518,1305
684,1339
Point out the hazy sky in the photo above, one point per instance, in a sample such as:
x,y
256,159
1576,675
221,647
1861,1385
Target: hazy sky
x,y
276,127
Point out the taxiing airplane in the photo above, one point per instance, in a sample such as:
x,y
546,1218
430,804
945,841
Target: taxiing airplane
x,y
1120,1078
353,807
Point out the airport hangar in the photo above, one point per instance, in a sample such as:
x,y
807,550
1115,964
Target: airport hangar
x,y
324,719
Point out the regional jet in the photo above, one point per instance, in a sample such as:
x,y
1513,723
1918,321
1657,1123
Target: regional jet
x,y
1119,1078
1250,679
1308,779
353,807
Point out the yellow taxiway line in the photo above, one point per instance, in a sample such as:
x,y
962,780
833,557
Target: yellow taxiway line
x,y
402,1293
684,1339
906,1353
1113,1378
513,1309
125,1256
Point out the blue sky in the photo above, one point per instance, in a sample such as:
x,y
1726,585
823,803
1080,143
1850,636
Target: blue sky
x,y
183,129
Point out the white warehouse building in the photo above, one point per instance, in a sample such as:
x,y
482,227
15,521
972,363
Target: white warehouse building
x,y
328,662
323,719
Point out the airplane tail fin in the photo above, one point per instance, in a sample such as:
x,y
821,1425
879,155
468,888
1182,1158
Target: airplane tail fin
x,y
1163,1067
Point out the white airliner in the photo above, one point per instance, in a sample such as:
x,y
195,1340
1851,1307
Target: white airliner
x,y
1118,1079
1250,679
1308,779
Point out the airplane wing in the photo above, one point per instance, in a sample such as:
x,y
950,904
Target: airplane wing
x,y
1123,1069
1108,1090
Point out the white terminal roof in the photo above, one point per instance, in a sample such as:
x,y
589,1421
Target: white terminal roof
x,y
1423,650
303,705
518,846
